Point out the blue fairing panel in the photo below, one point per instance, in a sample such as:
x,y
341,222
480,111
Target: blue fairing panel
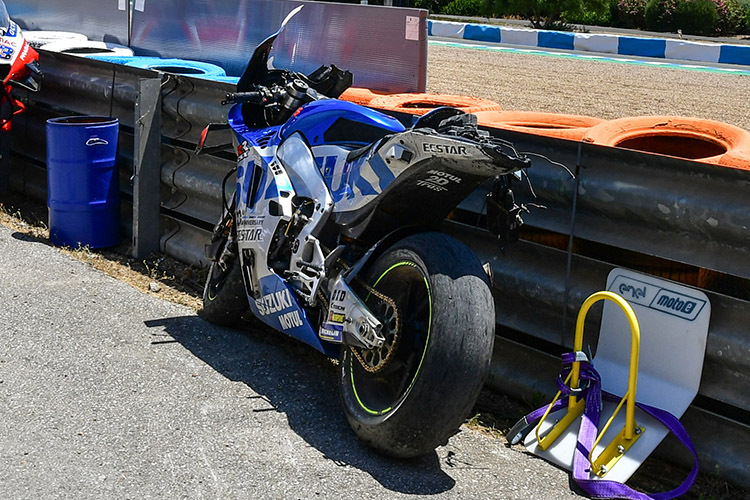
x,y
332,121
279,308
234,117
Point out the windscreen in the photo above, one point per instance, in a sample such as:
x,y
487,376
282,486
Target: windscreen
x,y
4,18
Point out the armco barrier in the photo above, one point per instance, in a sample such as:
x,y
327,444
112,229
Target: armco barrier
x,y
686,50
632,209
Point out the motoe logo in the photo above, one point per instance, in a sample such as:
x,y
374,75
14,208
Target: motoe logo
x,y
677,304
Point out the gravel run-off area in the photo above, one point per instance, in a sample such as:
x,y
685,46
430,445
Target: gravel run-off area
x,y
602,89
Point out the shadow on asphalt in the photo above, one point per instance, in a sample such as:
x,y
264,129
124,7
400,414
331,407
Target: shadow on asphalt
x,y
29,238
301,383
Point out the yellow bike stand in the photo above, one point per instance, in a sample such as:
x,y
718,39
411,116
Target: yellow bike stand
x,y
630,432
662,358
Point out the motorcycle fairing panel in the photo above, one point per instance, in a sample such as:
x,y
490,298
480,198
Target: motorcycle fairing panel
x,y
351,165
265,195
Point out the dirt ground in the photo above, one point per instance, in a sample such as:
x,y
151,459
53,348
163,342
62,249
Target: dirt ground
x,y
584,87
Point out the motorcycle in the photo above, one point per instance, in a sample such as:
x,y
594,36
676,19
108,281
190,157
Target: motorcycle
x,y
19,67
331,238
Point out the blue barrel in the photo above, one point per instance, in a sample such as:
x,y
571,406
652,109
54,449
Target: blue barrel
x,y
83,193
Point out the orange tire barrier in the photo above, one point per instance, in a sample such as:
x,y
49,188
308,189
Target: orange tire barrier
x,y
696,139
419,104
359,95
547,238
572,127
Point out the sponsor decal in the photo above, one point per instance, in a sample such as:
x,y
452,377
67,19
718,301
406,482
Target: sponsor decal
x,y
658,298
10,42
429,185
290,320
335,317
12,30
677,304
250,229
445,175
438,180
274,302
252,221
635,292
6,52
444,149
255,234
243,151
337,308
331,333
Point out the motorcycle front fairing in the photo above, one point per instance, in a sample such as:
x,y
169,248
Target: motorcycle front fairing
x,y
18,61
18,67
271,178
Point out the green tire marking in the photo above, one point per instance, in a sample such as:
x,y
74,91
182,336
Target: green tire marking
x,y
427,342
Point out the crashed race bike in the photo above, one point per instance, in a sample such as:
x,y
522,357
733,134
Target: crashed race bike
x,y
331,238
18,68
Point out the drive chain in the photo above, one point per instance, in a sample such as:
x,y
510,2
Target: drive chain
x,y
397,330
396,335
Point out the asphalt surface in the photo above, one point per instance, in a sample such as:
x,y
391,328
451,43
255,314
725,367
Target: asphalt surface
x,y
106,392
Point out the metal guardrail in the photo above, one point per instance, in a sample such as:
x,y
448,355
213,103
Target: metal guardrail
x,y
632,210
680,210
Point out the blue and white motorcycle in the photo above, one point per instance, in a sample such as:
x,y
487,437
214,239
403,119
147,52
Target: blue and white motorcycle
x,y
331,238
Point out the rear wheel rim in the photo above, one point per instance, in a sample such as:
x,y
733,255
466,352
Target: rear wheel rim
x,y
379,393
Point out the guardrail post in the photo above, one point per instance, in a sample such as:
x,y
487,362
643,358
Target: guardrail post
x,y
147,167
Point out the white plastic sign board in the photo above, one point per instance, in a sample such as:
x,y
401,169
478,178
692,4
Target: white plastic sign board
x,y
674,323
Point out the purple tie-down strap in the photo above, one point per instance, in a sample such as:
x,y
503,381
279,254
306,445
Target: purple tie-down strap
x,y
591,388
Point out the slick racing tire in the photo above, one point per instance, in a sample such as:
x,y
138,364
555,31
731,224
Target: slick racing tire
x,y
444,324
420,104
572,127
224,297
697,139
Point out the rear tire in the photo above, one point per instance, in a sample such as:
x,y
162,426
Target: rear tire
x,y
442,355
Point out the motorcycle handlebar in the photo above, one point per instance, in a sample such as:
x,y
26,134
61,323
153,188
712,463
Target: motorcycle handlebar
x,y
245,97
